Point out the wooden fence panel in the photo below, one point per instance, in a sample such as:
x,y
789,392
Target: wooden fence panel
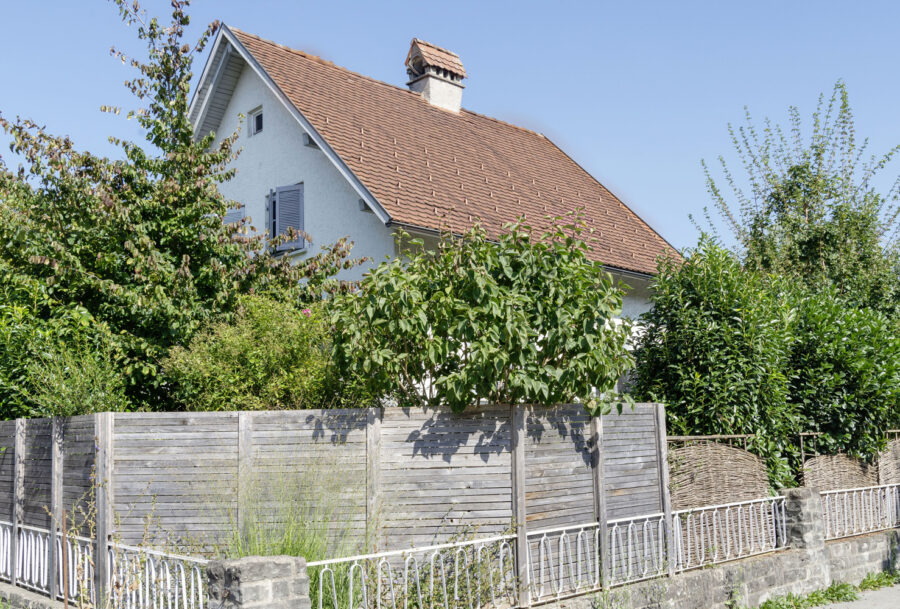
x,y
314,461
175,476
37,464
559,485
444,475
79,437
631,462
7,465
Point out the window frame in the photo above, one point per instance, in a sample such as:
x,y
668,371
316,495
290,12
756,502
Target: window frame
x,y
252,116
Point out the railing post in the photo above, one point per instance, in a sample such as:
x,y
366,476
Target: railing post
x,y
18,497
520,514
662,451
56,501
600,497
103,428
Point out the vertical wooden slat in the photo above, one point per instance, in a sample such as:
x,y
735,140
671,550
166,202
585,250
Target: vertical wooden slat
x,y
599,495
104,500
56,499
18,494
245,466
517,438
664,494
373,475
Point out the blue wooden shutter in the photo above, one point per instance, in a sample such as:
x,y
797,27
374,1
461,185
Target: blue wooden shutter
x,y
288,212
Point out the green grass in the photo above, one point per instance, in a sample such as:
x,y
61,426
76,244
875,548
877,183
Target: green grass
x,y
874,581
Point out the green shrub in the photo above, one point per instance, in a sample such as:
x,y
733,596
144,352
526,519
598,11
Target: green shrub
x,y
75,378
272,355
505,319
845,374
715,349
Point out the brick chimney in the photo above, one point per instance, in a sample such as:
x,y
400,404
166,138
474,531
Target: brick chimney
x,y
436,74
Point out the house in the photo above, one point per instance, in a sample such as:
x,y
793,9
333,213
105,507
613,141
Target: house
x,y
337,154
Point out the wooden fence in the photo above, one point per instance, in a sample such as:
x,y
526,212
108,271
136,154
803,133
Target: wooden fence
x,y
400,477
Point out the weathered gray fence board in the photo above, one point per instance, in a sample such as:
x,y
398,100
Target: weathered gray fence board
x,y
425,476
37,461
631,463
445,455
7,464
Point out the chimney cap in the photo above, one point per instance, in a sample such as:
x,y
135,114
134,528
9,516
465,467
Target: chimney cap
x,y
423,54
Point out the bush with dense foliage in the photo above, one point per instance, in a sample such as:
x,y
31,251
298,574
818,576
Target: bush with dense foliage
x,y
137,245
715,349
730,350
845,373
271,355
520,318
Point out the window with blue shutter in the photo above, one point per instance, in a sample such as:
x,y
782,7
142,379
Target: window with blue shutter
x,y
284,211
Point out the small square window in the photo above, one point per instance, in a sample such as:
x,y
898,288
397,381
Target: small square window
x,y
256,121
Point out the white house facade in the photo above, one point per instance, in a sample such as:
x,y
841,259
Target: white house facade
x,y
336,154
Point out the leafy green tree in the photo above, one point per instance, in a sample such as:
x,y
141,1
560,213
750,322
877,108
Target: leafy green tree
x,y
811,208
271,355
519,319
138,244
714,348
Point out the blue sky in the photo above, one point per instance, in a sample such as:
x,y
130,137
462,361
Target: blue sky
x,y
637,92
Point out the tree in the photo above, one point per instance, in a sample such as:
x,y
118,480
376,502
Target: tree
x,y
521,319
813,210
139,244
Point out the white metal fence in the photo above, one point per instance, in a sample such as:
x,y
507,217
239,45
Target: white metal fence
x,y
461,575
564,561
856,511
637,548
719,533
139,578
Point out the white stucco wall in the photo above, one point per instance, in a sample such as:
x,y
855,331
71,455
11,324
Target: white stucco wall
x,y
277,157
637,297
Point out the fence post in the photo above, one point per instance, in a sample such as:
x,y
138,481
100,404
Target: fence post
x,y
373,473
245,465
103,428
56,500
662,451
520,514
600,496
18,496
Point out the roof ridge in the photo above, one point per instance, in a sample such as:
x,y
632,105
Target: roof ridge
x,y
324,62
331,64
439,48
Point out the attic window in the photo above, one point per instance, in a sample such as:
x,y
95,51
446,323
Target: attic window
x,y
256,121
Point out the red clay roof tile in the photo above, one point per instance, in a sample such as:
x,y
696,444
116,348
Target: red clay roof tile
x,y
434,169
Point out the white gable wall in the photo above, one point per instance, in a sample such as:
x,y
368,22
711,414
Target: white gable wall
x,y
278,157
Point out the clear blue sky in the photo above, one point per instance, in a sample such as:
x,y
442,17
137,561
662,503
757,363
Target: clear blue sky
x,y
637,92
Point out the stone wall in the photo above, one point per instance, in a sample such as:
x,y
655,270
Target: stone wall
x,y
271,582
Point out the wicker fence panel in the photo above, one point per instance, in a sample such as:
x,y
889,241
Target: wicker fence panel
x,y
830,472
889,463
710,473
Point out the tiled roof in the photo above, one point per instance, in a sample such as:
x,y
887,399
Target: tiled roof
x,y
436,56
434,169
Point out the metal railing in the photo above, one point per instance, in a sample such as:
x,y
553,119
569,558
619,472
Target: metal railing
x,y
564,561
146,579
637,548
139,578
462,575
719,533
857,511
